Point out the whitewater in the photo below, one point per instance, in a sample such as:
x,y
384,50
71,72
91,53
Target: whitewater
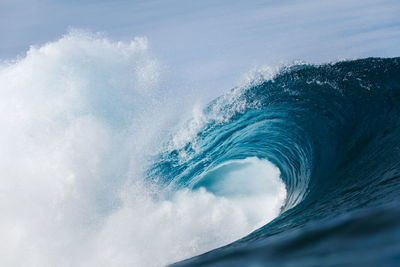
x,y
104,164
81,119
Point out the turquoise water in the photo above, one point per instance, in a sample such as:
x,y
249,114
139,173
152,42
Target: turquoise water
x,y
333,131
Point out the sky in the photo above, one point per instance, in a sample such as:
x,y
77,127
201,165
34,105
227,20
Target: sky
x,y
210,45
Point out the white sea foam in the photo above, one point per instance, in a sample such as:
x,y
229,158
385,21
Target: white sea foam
x,y
78,118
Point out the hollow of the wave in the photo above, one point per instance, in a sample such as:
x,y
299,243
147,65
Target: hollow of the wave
x,y
252,184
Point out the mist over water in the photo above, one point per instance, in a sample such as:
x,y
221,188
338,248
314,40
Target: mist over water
x,y
82,118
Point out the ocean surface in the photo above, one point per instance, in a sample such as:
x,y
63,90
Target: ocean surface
x,y
104,165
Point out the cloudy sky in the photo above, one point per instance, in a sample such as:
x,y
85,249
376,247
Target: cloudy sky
x,y
213,43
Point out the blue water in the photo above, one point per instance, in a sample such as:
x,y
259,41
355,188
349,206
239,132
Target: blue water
x,y
334,133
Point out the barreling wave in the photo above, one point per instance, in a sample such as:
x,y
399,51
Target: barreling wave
x,y
298,166
333,131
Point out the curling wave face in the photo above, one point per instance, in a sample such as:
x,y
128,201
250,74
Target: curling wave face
x,y
333,130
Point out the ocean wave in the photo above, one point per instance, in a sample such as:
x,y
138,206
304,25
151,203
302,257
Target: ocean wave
x,y
98,171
